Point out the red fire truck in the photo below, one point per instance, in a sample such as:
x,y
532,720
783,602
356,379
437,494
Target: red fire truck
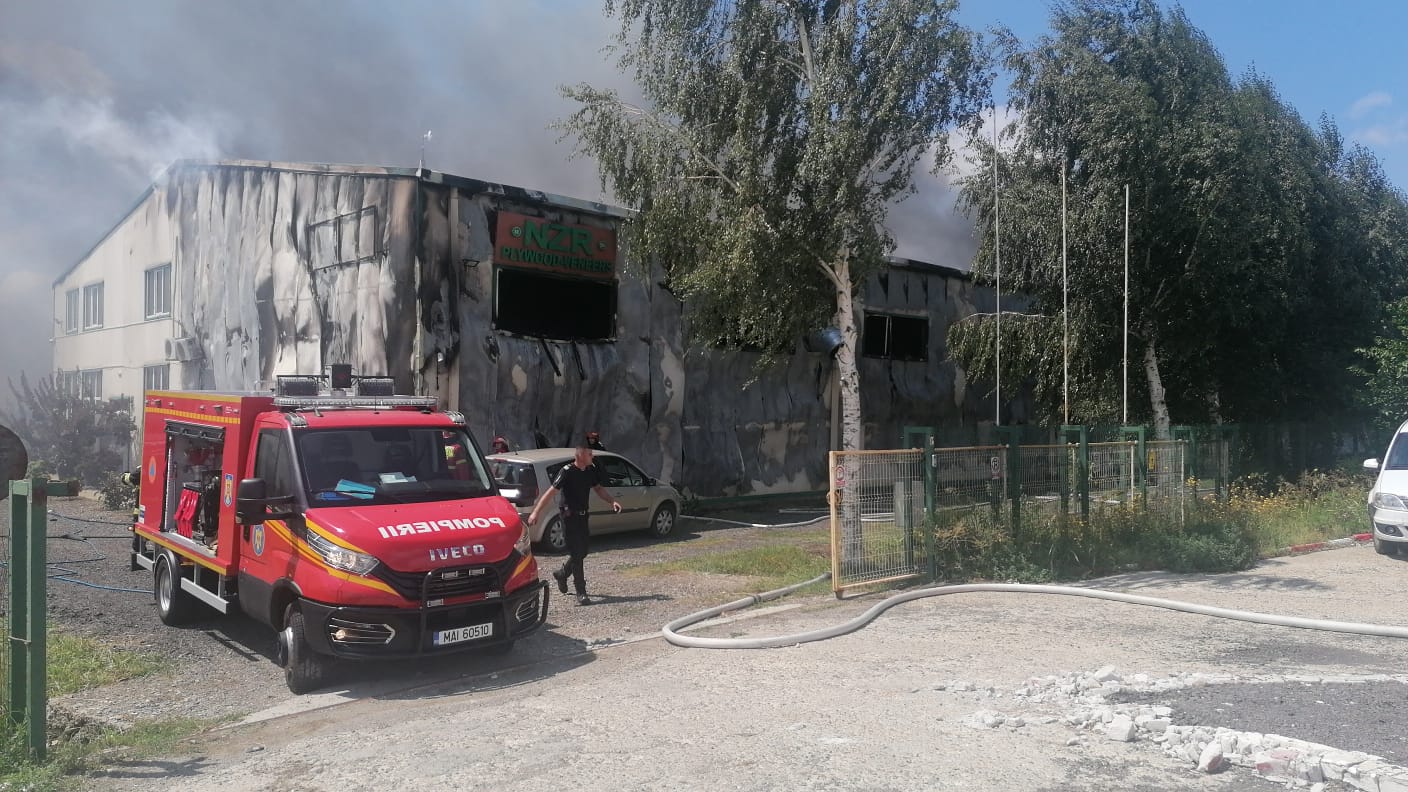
x,y
355,522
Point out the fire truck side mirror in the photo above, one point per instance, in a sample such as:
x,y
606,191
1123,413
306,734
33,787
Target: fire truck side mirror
x,y
251,501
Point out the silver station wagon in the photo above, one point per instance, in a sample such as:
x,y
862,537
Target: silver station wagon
x,y
646,504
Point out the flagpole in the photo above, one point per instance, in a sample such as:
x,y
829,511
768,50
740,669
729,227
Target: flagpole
x,y
997,266
1126,305
1065,311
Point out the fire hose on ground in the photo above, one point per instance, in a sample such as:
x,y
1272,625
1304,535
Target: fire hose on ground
x,y
671,631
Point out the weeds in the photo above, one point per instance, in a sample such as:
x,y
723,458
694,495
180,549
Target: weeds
x,y
77,663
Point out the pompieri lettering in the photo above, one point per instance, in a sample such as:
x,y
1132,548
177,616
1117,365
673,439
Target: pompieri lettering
x,y
436,526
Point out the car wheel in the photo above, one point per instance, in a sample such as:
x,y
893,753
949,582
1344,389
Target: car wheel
x,y
1384,548
663,523
173,605
555,536
304,669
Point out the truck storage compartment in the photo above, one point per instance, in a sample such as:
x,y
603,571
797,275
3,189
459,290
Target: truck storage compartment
x,y
193,468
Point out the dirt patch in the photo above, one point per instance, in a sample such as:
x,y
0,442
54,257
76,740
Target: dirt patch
x,y
222,666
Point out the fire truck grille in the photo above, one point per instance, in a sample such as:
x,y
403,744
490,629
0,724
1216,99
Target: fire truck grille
x,y
439,584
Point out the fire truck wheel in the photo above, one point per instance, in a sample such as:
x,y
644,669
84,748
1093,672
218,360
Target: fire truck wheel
x,y
173,605
303,668
555,536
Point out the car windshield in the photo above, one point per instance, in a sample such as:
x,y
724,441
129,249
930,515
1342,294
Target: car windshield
x,y
1398,453
390,464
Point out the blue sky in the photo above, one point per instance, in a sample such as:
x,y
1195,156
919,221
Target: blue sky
x,y
1347,59
97,97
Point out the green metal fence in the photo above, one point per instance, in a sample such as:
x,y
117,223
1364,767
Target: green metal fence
x,y
26,634
883,502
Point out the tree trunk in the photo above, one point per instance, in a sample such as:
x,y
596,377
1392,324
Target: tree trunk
x,y
845,319
848,381
1157,401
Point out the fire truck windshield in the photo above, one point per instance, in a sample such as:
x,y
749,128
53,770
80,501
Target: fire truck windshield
x,y
389,464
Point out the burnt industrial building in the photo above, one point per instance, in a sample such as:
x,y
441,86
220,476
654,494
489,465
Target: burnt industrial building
x,y
522,309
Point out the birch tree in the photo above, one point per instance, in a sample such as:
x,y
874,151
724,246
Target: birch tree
x,y
772,137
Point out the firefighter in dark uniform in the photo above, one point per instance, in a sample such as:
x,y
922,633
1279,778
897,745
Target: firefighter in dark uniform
x,y
576,481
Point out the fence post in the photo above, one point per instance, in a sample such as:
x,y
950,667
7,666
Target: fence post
x,y
1188,434
1226,436
1082,434
1013,436
28,635
1141,464
931,462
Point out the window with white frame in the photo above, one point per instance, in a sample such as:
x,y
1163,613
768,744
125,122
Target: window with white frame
x,y
158,292
91,384
156,377
66,382
93,306
72,312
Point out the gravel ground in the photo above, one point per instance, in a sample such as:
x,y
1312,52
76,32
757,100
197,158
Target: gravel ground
x,y
88,544
587,698
899,705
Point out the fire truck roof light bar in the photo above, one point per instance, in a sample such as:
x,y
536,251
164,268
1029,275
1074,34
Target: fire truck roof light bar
x,y
309,402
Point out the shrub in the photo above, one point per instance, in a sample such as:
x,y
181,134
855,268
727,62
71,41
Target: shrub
x,y
116,494
977,544
72,437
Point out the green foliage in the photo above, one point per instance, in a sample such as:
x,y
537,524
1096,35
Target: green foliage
x,y
1260,249
1384,366
978,544
69,436
772,139
78,663
117,495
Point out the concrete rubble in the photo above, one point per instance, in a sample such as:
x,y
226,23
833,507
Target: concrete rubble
x,y
1083,697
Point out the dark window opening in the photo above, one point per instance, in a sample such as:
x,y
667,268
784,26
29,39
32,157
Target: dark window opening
x,y
566,309
895,337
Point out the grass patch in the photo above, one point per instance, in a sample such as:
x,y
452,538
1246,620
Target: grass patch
x,y
68,762
1321,505
768,566
76,663
1258,517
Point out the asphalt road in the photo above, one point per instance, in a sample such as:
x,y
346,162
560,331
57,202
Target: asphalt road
x,y
891,707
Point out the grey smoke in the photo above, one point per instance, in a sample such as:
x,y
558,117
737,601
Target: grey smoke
x,y
96,98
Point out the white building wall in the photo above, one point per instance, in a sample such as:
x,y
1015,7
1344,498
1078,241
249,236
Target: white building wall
x,y
127,341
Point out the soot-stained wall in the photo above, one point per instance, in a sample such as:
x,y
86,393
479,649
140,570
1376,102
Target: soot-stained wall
x,y
282,269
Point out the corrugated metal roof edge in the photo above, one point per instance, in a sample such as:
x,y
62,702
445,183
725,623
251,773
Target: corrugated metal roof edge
x,y
424,174
924,266
429,176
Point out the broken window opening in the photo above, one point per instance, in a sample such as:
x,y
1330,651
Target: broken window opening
x,y
546,306
895,337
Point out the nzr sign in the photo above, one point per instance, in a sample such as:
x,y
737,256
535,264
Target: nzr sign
x,y
538,243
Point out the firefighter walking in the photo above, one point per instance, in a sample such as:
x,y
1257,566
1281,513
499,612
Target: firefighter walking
x,y
577,480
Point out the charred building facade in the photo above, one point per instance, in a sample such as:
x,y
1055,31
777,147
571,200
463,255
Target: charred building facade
x,y
519,308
